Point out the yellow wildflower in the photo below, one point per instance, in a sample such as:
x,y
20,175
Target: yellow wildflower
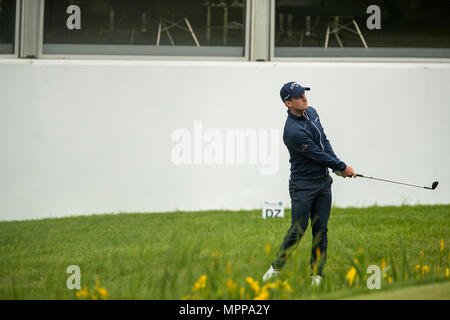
x,y
425,269
442,244
447,272
389,279
200,284
287,286
231,285
351,276
253,284
264,292
264,295
383,264
103,293
355,261
360,251
270,285
267,248
82,293
417,267
242,292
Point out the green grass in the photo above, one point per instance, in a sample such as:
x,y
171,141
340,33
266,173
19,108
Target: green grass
x,y
161,255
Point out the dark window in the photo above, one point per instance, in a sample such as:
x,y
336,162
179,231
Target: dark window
x,y
7,26
333,28
147,27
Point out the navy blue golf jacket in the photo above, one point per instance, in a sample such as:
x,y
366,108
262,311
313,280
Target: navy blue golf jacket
x,y
310,151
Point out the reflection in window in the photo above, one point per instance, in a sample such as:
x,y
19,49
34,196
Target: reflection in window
x,y
7,26
158,27
308,24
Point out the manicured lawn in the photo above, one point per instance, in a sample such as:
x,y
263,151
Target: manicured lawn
x,y
162,255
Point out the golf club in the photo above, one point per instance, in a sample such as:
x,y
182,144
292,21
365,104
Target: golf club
x,y
433,186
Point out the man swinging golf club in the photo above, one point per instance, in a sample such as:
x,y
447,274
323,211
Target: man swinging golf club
x,y
311,155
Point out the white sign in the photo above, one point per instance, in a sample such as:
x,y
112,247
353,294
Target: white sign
x,y
273,210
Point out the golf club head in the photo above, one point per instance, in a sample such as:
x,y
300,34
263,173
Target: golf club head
x,y
434,185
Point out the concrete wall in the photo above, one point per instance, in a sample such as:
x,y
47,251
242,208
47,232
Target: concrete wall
x,y
84,137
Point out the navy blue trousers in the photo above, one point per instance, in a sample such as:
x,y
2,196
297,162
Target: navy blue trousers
x,y
309,200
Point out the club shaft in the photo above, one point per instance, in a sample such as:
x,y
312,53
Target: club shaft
x,y
392,181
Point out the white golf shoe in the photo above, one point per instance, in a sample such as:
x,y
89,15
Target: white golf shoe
x,y
316,281
271,273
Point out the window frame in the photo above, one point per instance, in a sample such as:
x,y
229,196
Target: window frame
x,y
245,57
358,57
252,30
15,54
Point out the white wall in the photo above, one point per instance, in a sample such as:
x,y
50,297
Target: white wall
x,y
83,137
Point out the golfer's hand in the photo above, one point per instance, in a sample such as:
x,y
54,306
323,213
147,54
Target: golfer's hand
x,y
348,172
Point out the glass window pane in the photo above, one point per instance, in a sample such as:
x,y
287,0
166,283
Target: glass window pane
x,y
145,27
7,26
349,28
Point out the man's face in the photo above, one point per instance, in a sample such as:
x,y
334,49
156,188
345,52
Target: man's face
x,y
298,104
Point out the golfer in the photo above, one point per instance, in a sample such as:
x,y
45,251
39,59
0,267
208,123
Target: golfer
x,y
310,182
